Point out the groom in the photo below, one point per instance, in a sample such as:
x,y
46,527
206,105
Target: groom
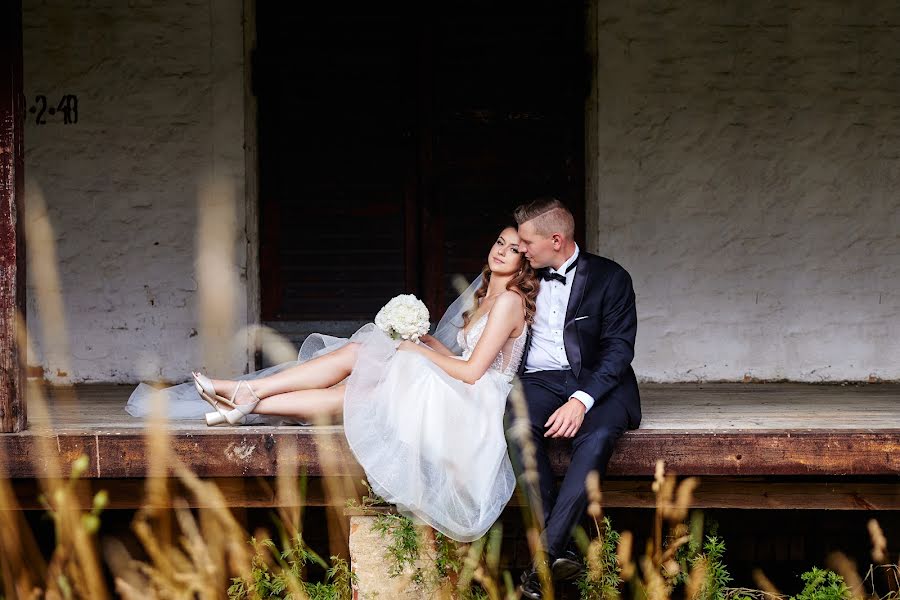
x,y
576,375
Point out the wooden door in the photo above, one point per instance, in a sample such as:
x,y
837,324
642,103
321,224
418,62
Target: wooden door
x,y
395,144
505,125
336,115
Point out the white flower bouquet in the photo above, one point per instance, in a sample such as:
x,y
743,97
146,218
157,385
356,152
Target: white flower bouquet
x,y
404,317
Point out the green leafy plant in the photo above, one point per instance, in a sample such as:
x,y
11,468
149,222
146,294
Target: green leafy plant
x,y
472,593
433,565
601,579
404,545
705,552
688,552
716,576
447,561
822,584
267,583
367,501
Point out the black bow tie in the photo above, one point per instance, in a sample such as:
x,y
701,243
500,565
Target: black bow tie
x,y
546,275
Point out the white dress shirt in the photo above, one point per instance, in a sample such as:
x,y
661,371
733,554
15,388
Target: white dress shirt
x,y
547,351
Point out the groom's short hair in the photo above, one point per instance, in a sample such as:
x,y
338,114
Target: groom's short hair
x,y
549,215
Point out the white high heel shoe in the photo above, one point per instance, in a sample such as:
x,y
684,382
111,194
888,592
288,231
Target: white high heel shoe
x,y
217,417
240,411
205,388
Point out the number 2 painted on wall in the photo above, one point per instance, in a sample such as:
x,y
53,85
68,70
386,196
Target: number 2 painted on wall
x,y
68,106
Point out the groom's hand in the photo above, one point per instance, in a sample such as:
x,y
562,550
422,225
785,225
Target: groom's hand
x,y
566,420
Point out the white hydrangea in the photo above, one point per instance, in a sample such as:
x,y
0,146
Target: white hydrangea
x,y
404,317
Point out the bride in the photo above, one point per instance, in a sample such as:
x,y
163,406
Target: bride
x,y
425,421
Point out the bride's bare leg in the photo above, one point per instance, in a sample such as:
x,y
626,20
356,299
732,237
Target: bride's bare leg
x,y
317,374
305,404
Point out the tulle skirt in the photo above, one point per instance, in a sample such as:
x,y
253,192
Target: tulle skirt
x,y
183,403
430,444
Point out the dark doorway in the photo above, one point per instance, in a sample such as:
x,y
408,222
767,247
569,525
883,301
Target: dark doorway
x,y
393,145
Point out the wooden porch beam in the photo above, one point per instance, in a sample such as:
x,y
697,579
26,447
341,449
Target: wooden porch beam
x,y
12,247
253,452
831,493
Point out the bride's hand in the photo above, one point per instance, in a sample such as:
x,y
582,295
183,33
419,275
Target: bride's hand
x,y
407,345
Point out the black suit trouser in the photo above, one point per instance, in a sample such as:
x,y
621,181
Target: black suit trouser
x,y
592,446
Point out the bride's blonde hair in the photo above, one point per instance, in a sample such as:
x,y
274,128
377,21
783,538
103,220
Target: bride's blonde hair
x,y
525,283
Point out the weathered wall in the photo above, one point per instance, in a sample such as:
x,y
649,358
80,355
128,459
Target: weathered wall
x,y
742,165
160,93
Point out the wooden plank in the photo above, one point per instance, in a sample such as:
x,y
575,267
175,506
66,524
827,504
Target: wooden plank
x,y
13,414
238,492
218,453
736,493
756,452
713,492
718,407
730,492
253,451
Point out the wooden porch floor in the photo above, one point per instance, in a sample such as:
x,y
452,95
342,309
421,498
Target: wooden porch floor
x,y
698,429
713,407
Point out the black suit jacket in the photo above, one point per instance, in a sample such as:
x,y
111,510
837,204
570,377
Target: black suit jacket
x,y
599,333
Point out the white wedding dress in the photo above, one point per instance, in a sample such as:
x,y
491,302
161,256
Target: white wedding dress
x,y
430,444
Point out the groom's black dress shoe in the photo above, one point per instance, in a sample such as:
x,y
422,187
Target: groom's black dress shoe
x,y
531,586
567,567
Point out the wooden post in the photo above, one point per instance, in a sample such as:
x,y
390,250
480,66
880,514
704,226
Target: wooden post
x,y
12,243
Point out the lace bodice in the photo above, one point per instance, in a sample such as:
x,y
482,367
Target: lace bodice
x,y
510,356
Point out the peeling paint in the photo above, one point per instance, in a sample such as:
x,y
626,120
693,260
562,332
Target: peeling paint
x,y
239,452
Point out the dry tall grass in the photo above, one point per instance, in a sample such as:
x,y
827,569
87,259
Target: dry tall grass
x,y
196,553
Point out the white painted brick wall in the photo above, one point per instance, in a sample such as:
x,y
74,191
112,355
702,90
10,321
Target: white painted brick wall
x,y
747,176
160,92
742,165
